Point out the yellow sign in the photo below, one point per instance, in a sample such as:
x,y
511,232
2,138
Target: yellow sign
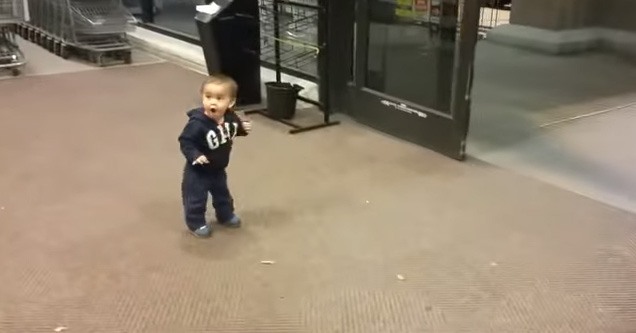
x,y
412,9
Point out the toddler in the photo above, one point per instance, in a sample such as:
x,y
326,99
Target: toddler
x,y
206,143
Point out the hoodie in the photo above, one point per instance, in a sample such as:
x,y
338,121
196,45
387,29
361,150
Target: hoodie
x,y
203,136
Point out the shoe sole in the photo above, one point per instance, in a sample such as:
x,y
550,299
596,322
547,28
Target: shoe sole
x,y
201,236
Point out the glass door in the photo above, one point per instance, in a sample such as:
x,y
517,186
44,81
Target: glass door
x,y
412,68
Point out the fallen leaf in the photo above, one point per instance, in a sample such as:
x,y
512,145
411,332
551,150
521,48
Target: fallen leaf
x,y
401,277
268,262
61,329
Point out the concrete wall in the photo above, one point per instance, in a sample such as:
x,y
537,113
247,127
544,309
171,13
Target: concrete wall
x,y
617,14
554,14
574,14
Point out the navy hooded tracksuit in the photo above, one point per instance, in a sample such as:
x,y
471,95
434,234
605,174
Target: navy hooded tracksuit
x,y
203,136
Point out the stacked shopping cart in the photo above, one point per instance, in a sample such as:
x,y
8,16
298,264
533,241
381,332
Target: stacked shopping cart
x,y
11,14
95,29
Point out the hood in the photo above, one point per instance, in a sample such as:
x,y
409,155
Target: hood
x,y
197,114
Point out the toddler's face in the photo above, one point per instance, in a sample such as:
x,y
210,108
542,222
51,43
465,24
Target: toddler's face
x,y
217,99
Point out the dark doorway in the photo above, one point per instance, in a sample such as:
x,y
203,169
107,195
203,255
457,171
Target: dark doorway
x,y
404,67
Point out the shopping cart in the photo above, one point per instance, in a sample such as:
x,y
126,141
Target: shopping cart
x,y
11,14
92,28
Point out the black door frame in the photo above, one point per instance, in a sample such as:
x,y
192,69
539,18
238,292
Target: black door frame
x,y
340,20
442,132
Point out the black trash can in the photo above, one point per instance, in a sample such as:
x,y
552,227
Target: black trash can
x,y
281,99
230,38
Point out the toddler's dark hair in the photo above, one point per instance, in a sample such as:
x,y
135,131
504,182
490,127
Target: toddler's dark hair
x,y
222,80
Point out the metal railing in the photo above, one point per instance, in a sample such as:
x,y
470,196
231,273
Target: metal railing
x,y
297,35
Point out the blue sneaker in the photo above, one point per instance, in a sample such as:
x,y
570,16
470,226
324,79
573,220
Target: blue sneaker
x,y
203,232
234,222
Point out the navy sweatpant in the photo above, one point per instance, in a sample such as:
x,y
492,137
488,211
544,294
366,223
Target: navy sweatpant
x,y
197,184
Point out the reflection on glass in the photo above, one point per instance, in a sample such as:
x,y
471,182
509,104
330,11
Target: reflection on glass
x,y
412,50
177,15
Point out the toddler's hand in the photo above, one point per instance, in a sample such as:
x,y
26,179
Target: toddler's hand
x,y
201,160
247,125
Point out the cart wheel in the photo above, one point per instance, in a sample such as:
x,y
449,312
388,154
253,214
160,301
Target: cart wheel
x,y
57,48
97,58
100,60
15,71
128,58
65,53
